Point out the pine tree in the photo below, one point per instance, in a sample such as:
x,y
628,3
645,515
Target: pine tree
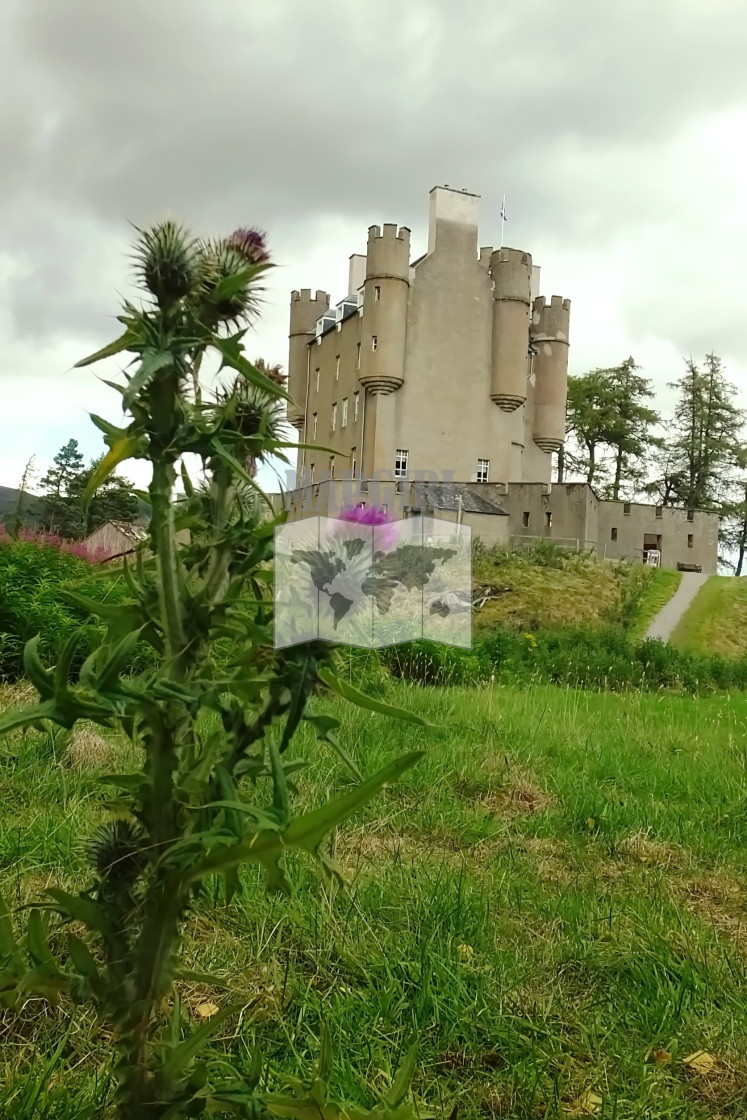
x,y
59,514
628,434
706,435
64,485
588,418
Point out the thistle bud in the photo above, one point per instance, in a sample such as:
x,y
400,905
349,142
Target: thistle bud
x,y
166,263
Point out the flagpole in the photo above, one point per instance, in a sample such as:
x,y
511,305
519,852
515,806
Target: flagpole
x,y
503,219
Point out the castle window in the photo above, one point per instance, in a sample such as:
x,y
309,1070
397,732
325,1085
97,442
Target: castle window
x,y
361,505
690,540
334,416
613,535
483,470
659,511
344,421
337,368
377,293
400,463
374,342
331,466
355,406
311,469
317,379
358,356
353,463
548,520
626,509
525,519
691,515
313,426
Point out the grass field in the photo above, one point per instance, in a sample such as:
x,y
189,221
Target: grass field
x,y
716,621
555,900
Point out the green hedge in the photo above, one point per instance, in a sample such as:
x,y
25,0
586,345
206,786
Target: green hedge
x,y
582,657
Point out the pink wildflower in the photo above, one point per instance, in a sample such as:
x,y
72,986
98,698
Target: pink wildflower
x,y
387,535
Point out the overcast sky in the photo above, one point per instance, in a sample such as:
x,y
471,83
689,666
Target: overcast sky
x,y
617,132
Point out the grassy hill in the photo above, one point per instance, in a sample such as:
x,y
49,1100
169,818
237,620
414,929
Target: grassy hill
x,y
716,621
546,587
553,901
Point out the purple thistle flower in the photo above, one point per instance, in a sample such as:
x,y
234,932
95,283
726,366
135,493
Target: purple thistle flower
x,y
386,538
250,243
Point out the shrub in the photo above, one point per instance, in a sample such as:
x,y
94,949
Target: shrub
x,y
34,578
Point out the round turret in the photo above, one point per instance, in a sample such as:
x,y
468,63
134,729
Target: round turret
x,y
384,326
511,270
304,312
550,322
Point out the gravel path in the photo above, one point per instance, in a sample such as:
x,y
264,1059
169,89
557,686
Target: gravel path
x,y
665,621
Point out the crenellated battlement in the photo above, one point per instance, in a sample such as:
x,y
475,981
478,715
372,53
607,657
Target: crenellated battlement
x,y
511,271
550,320
390,231
305,296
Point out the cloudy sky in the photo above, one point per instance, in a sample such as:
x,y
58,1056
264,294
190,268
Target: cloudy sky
x,y
616,131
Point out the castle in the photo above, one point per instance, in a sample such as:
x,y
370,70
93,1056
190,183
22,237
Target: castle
x,y
439,386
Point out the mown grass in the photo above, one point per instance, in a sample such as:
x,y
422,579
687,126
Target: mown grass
x,y
555,892
659,590
716,621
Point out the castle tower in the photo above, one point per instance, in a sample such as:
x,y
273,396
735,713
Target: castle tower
x,y
511,270
304,312
550,337
384,326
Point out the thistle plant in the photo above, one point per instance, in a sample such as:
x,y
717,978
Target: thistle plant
x,y
213,727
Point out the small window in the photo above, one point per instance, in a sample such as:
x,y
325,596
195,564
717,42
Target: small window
x,y
353,463
659,511
374,342
313,426
311,469
548,520
317,380
613,535
691,515
400,463
334,416
344,420
355,406
361,505
377,293
358,356
331,466
525,519
483,470
690,540
626,509
337,368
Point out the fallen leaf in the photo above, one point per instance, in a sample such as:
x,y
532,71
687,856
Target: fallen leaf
x,y
591,824
588,1104
661,1057
700,1062
206,1010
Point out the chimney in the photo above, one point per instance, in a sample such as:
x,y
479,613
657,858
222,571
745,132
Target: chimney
x,y
356,273
453,219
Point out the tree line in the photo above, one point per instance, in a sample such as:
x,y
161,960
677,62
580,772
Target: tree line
x,y
696,458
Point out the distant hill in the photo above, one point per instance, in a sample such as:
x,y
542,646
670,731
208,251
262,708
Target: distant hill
x,y
9,501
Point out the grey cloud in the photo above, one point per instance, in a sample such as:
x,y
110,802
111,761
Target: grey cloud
x,y
282,113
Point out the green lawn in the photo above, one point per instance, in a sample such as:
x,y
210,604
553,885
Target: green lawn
x,y
556,892
716,621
